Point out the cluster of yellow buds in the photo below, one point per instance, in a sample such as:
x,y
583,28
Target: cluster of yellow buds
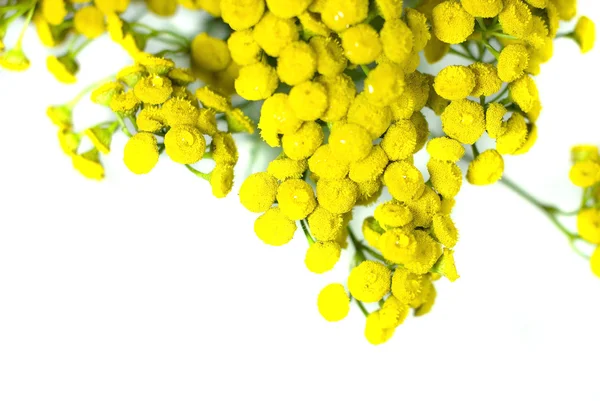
x,y
341,95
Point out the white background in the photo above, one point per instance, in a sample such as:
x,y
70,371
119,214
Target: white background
x,y
148,288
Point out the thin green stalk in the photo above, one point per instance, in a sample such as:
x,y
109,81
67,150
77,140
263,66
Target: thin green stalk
x,y
499,96
461,54
307,233
362,307
78,49
123,125
365,69
28,18
198,173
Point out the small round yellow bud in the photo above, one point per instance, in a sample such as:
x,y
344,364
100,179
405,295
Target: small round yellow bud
x,y
340,92
330,55
524,93
369,281
516,18
483,8
446,177
464,121
141,153
487,81
297,63
404,180
374,119
153,89
371,167
396,40
486,169
341,14
585,173
513,60
445,230
337,196
324,225
451,23
258,192
242,14
273,228
588,225
309,100
585,34
400,140
321,257
455,82
296,199
256,81
325,164
333,303
446,149
393,214
361,44
304,142
350,142
210,54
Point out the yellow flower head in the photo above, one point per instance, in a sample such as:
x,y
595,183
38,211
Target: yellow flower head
x,y
273,34
427,301
396,40
404,180
131,75
340,92
237,121
417,23
389,9
104,94
337,196
524,93
494,120
151,119
400,140
14,60
54,11
308,100
47,34
155,65
350,142
581,153
595,262
141,153
324,225
585,173
398,245
513,60
312,25
516,18
256,81
376,331
530,140
445,149
185,144
374,119
514,137
331,60
333,303
585,34
273,228
483,8
284,168
321,257
223,148
88,164
445,230
297,63
424,207
451,22
486,169
371,167
68,141
89,21
125,102
341,14
221,180
428,252
112,6
393,214
63,68
296,199
369,281
487,81
209,54
369,192
288,8
464,121
302,144
175,111
242,14
384,84
277,116
455,82
61,116
567,9
213,100
446,177
243,48
153,89
164,8
258,192
588,225
372,232
361,44
101,136
408,287
326,164
393,313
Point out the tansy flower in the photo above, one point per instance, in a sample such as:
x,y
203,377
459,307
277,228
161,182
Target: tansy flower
x,y
131,75
424,207
372,232
237,121
88,164
428,252
585,173
513,60
588,225
277,116
417,22
516,18
486,169
210,54
371,167
350,142
374,119
273,228
312,25
483,8
361,44
567,9
242,14
389,9
428,300
340,92
369,192
14,60
585,34
163,8
153,89
104,94
330,55
514,136
369,281
125,102
325,164
393,313
333,303
284,168
384,84
258,192
308,100
455,82
302,143
155,65
530,140
375,331
68,141
324,225
341,14
273,34
296,199
89,21
445,176
175,111
213,100
112,6
494,116
101,136
337,196
487,81
61,116
447,266
581,153
321,257
243,48
445,149
451,23
185,144
408,287
141,153
445,230
54,11
256,81
524,93
396,40
392,214
297,63
400,140
224,149
63,68
151,119
464,121
221,180
404,180
288,8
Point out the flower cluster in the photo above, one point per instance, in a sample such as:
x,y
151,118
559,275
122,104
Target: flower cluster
x,y
341,95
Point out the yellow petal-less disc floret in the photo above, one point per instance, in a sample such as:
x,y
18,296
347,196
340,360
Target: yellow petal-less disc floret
x,y
494,120
384,84
321,257
243,48
585,34
400,140
277,116
333,303
296,199
330,55
54,11
417,22
256,81
451,22
446,177
242,14
397,245
308,100
408,287
337,196
524,93
516,18
273,34
325,164
376,331
221,180
464,121
88,164
304,142
258,192
89,21
223,148
486,169
371,167
487,81
141,153
392,214
396,40
151,119
374,119
153,89
513,60
210,54
445,230
361,44
404,180
185,144
284,168
446,149
341,14
393,313
350,142
588,225
125,102
273,228
297,63
515,135
585,173
483,8
424,207
455,82
428,252
340,92
63,68
324,225
177,111
112,6
288,8
369,281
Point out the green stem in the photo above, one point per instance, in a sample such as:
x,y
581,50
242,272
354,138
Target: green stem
x,y
362,307
82,46
461,54
499,96
25,25
494,52
358,247
87,90
481,24
123,125
307,234
502,35
365,69
475,150
198,173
